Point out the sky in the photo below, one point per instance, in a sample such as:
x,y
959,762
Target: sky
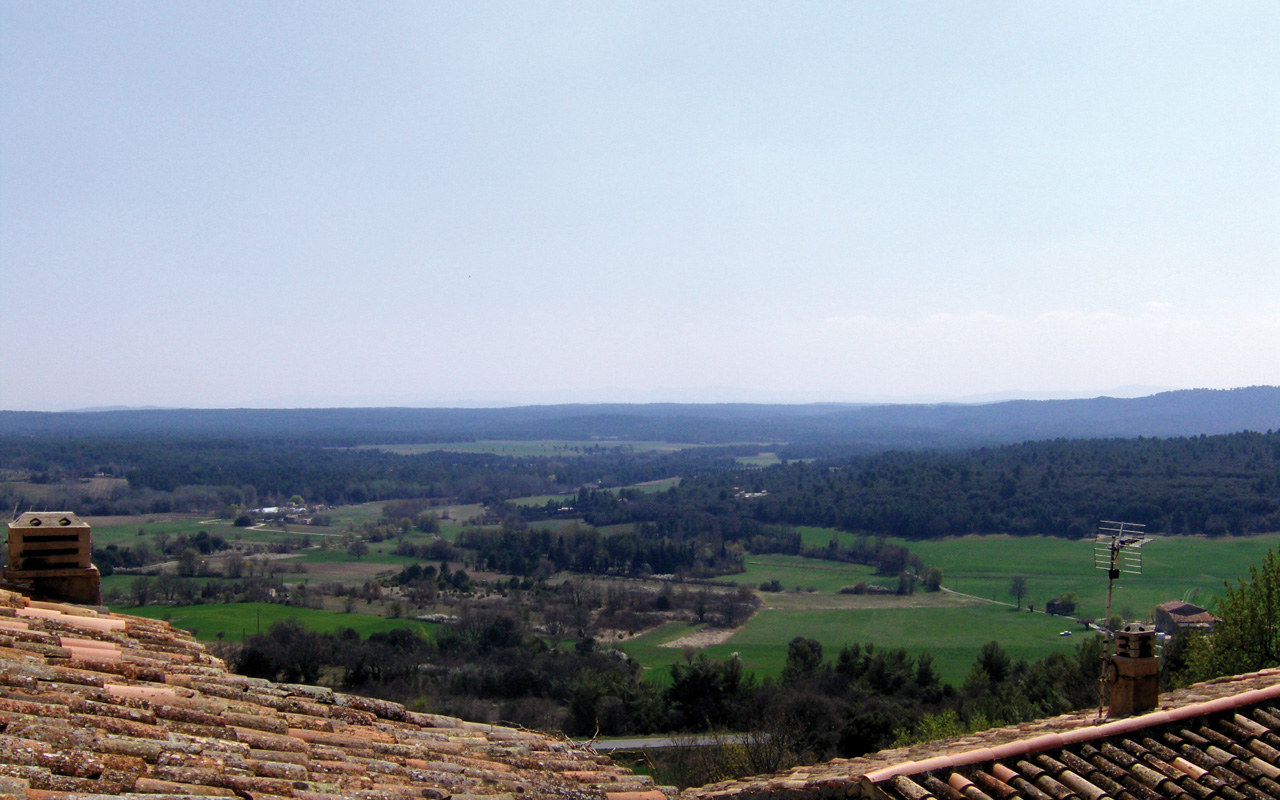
x,y
284,204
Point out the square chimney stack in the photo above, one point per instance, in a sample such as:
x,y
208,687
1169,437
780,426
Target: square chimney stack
x,y
50,554
1134,676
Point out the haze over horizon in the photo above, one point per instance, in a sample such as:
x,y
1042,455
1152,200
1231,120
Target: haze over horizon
x,y
721,395
213,205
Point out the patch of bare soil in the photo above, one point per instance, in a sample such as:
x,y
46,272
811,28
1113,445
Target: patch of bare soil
x,y
343,570
704,637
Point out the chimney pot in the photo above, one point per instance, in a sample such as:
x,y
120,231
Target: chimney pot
x,y
1134,673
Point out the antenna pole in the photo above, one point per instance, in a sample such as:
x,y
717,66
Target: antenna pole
x,y
1110,554
1107,632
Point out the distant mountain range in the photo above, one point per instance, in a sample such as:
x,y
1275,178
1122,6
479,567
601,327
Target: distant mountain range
x,y
864,426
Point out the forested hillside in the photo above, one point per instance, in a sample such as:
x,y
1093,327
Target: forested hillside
x,y
1224,484
161,475
1211,485
868,428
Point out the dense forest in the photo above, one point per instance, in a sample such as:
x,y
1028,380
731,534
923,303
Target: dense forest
x,y
722,507
860,427
1212,485
164,475
914,471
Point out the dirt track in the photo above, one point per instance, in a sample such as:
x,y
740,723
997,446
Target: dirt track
x,y
704,637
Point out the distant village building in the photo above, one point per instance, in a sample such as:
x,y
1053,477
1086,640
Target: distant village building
x,y
1176,615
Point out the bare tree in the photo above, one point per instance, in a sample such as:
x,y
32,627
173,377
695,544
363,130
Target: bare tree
x,y
1018,588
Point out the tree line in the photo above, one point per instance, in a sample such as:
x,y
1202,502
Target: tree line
x,y
164,475
490,666
1211,485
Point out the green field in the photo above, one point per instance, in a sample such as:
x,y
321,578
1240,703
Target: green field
x,y
797,572
952,635
657,660
356,515
648,487
459,517
123,531
1173,567
951,627
811,536
236,620
660,485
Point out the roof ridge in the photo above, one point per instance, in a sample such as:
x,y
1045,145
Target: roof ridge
x,y
880,775
1083,733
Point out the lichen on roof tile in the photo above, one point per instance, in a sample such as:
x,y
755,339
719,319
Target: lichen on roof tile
x,y
101,705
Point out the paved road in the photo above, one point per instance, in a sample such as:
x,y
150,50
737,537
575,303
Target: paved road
x,y
654,742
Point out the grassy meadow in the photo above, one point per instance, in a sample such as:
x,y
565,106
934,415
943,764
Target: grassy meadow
x,y
759,460
953,627
649,487
1174,567
236,620
953,635
804,574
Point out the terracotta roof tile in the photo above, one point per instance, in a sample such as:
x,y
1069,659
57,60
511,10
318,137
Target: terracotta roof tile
x,y
96,705
1213,741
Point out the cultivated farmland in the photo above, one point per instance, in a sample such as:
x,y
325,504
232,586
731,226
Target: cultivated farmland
x,y
953,627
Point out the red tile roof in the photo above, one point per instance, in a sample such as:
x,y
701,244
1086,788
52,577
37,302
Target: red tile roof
x,y
95,705
1212,741
1186,614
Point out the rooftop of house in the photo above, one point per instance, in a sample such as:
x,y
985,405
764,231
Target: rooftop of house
x,y
1185,612
1211,741
96,704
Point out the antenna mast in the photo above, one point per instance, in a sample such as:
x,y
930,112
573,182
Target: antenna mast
x,y
1116,550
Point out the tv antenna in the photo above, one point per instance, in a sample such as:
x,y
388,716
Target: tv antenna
x,y
1117,550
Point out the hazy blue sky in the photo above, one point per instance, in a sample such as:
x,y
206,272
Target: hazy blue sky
x,y
225,204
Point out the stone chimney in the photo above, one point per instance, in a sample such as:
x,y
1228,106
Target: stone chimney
x,y
50,556
1134,676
